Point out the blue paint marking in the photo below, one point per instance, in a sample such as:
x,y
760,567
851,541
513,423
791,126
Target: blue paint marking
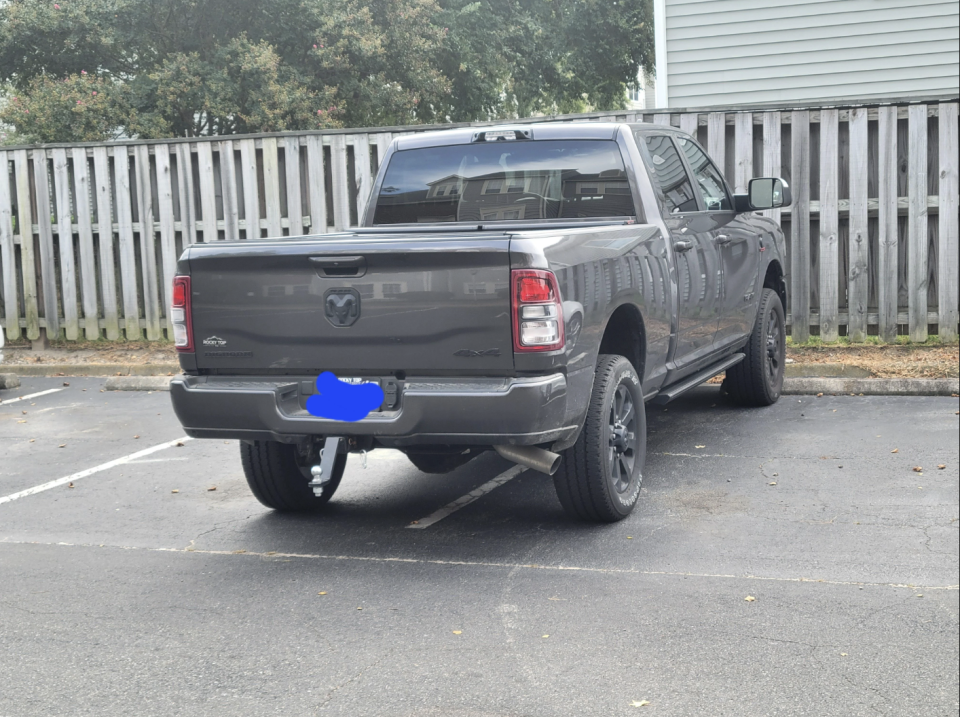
x,y
342,401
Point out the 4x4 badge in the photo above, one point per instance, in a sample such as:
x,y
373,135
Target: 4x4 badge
x,y
214,341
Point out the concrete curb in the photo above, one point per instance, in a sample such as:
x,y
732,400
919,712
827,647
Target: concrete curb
x,y
94,369
9,380
137,383
872,386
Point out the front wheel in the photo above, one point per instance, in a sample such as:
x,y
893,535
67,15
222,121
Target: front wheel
x,y
600,476
278,474
758,379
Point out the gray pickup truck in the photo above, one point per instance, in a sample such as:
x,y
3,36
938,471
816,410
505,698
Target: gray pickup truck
x,y
525,289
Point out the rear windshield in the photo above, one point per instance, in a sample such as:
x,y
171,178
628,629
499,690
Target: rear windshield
x,y
505,181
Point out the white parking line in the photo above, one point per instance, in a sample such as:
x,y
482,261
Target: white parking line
x,y
91,471
32,395
467,499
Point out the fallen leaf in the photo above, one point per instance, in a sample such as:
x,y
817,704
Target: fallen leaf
x,y
749,598
629,537
32,440
136,436
239,552
819,395
22,420
941,466
62,445
179,444
69,485
917,469
458,632
175,491
545,636
213,487
773,482
775,475
24,413
359,608
322,592
699,446
65,383
895,450
640,703
414,522
843,654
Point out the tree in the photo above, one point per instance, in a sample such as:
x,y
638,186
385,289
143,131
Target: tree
x,y
202,67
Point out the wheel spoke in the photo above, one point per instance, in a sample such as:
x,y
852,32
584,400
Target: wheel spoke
x,y
627,414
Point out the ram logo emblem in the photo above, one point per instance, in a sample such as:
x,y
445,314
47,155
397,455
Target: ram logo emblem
x,y
341,306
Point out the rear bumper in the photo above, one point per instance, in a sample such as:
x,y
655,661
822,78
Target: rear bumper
x,y
478,411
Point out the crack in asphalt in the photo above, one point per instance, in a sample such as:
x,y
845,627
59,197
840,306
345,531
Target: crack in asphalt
x,y
484,564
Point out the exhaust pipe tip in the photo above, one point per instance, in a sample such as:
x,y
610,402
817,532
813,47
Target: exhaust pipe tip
x,y
538,459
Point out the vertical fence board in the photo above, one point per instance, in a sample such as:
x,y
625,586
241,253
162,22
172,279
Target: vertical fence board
x,y
689,123
8,254
887,285
108,283
88,271
168,237
68,266
949,190
187,194
829,224
383,144
28,263
317,191
338,169
663,119
717,138
228,188
48,271
800,226
917,222
858,291
208,192
291,154
744,150
772,155
148,243
251,188
128,259
364,178
271,187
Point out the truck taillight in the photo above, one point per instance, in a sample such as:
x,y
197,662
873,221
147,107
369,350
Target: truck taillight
x,y
180,314
537,311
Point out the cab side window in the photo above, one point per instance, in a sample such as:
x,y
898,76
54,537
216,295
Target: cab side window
x,y
708,178
671,175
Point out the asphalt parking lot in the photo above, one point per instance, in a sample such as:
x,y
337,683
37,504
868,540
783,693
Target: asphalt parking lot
x,y
138,589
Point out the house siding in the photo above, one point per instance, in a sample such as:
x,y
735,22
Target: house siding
x,y
729,52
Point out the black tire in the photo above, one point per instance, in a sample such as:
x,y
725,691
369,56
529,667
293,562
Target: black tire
x,y
278,478
758,379
440,462
587,485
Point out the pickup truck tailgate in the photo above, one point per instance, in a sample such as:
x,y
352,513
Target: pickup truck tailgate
x,y
353,303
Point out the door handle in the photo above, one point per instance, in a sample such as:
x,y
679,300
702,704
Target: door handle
x,y
682,245
339,266
723,239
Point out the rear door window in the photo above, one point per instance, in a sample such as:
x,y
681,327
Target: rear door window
x,y
506,181
671,175
708,178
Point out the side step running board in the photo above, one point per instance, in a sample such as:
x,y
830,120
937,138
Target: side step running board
x,y
671,392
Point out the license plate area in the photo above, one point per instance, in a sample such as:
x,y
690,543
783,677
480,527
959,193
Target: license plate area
x,y
392,389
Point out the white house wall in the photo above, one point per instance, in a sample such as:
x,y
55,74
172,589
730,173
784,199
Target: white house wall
x,y
720,52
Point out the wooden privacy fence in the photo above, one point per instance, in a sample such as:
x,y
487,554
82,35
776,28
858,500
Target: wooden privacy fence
x,y
90,233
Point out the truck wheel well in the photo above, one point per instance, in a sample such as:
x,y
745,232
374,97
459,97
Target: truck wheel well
x,y
774,280
624,335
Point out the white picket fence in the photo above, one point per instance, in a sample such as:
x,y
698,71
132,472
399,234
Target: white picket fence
x,y
864,254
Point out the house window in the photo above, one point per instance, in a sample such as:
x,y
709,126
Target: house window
x,y
391,289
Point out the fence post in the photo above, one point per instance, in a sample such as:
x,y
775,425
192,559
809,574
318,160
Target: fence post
x,y
949,189
800,226
917,222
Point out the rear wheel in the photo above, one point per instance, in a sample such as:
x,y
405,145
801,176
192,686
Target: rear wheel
x,y
600,476
758,379
278,474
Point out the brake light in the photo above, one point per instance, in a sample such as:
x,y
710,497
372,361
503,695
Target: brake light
x,y
537,311
180,314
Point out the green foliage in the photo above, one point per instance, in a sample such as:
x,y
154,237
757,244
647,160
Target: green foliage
x,y
203,67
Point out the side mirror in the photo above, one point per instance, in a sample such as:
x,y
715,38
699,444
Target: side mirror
x,y
768,193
